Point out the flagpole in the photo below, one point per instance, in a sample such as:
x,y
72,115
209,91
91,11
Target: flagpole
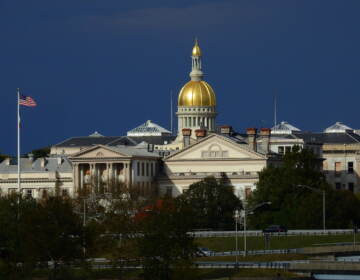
x,y
18,140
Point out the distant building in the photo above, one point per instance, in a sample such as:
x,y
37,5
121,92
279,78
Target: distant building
x,y
338,145
39,178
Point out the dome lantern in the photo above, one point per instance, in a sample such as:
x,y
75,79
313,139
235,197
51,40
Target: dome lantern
x,y
197,100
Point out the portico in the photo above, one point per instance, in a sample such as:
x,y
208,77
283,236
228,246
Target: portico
x,y
101,168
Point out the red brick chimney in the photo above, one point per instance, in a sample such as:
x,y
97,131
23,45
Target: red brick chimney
x,y
265,139
251,133
186,132
200,133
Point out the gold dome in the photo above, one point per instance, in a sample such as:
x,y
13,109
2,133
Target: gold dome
x,y
196,49
197,93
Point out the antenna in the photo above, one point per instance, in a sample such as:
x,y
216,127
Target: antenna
x,y
275,121
171,112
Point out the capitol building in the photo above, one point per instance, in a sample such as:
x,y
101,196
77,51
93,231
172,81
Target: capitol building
x,y
152,160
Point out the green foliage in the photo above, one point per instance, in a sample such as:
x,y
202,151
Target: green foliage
x,y
2,157
164,246
213,202
35,232
40,153
300,207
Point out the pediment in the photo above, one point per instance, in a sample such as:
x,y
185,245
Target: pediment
x,y
98,152
216,147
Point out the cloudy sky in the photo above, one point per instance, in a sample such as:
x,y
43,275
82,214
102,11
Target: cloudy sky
x,y
110,65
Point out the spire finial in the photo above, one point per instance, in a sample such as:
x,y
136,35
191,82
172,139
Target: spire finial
x,y
196,49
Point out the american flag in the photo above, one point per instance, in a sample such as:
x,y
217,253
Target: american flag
x,y
26,101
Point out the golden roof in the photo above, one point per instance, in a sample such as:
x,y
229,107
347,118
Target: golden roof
x,y
197,93
196,49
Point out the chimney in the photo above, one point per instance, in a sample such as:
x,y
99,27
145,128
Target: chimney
x,y
59,160
226,129
251,133
7,161
31,157
200,133
42,162
265,139
186,132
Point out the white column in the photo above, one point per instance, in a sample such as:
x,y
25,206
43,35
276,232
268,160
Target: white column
x,y
81,177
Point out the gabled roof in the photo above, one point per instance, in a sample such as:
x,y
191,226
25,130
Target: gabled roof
x,y
120,150
87,141
234,141
148,128
84,141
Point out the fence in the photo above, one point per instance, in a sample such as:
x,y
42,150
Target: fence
x,y
201,234
269,265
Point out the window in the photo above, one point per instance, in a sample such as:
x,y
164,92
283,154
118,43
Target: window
x,y
350,167
147,169
138,168
351,187
28,193
281,150
44,194
337,169
151,169
338,186
287,149
64,192
142,169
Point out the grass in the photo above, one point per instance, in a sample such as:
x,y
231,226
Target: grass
x,y
221,244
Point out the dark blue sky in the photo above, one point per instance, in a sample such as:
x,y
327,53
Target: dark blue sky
x,y
110,65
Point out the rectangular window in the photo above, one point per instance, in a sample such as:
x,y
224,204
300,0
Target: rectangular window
x,y
338,186
142,169
287,149
350,167
351,187
281,150
337,169
225,154
65,192
138,168
147,169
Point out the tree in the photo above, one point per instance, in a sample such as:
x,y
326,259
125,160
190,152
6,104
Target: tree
x,y
165,246
57,232
3,156
294,206
41,152
214,203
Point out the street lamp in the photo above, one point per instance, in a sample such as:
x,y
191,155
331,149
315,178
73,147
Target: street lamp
x,y
323,195
245,213
236,218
